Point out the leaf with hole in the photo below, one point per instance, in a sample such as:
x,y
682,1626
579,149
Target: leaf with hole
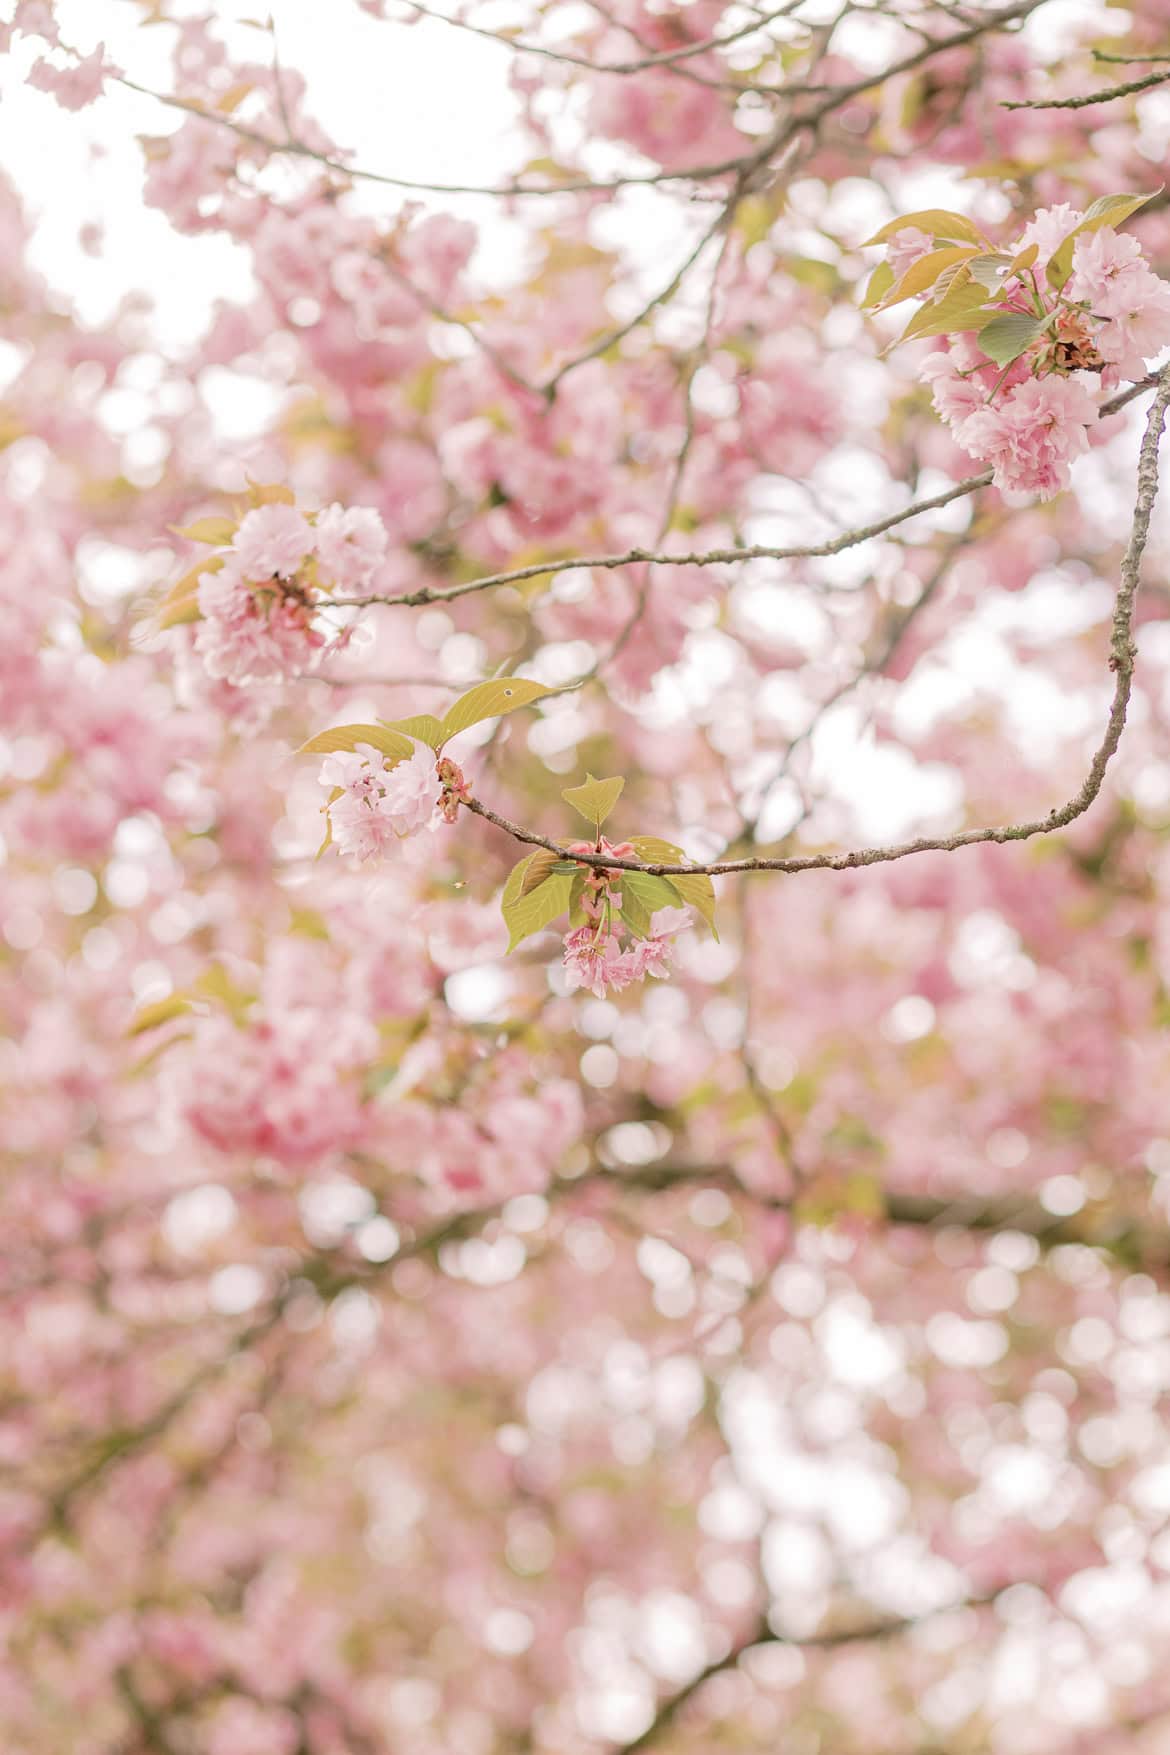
x,y
489,700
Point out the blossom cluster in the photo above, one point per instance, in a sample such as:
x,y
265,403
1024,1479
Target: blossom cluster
x,y
1036,334
603,954
375,803
260,599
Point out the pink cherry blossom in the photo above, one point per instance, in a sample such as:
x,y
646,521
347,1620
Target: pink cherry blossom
x,y
251,633
350,545
1108,271
379,806
273,541
907,247
77,84
1032,436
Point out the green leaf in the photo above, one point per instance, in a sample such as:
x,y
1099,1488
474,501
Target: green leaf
x,y
989,270
393,745
491,699
216,531
327,841
1005,338
526,914
635,913
149,1017
921,275
181,603
424,726
595,799
880,282
540,868
652,892
696,890
577,915
962,308
937,222
1110,210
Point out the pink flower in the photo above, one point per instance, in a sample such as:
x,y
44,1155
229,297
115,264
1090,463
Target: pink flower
x,y
955,397
250,634
76,85
273,541
378,806
1048,230
907,247
1032,435
595,960
1107,271
1134,335
410,790
351,545
355,771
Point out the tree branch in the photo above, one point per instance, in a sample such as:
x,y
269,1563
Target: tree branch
x,y
765,1634
711,557
1122,658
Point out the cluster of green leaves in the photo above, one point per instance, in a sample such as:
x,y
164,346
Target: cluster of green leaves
x,y
548,883
959,279
396,738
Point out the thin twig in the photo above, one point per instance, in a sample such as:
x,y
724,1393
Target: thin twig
x,y
1122,657
711,557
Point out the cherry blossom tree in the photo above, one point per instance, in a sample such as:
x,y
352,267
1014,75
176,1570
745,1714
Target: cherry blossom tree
x,y
586,1089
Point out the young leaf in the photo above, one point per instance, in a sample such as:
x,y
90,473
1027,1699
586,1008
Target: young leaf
x,y
491,699
988,270
180,603
526,914
962,308
935,221
149,1017
540,868
577,915
1005,338
264,493
696,890
1111,210
880,282
652,892
215,531
635,913
921,275
393,745
595,799
327,840
424,726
